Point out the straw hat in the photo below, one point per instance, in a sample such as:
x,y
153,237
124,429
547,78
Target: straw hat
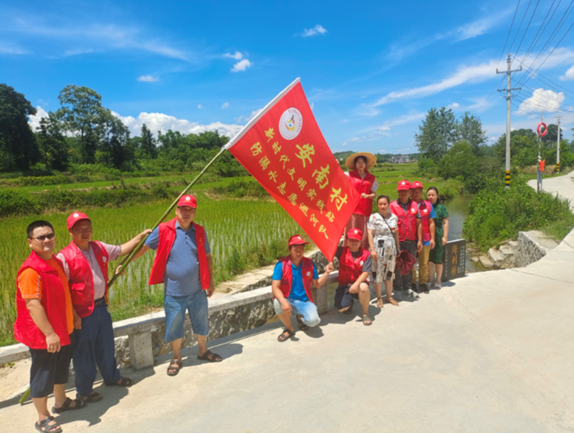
x,y
371,160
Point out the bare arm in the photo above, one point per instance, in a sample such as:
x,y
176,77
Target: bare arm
x,y
126,248
397,242
445,231
432,233
211,282
419,235
368,196
371,234
39,317
278,294
317,283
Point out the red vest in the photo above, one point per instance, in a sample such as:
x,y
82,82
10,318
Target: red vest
x,y
166,239
425,209
53,301
351,268
81,277
287,279
363,185
407,222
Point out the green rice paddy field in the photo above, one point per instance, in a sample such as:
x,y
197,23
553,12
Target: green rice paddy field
x,y
242,234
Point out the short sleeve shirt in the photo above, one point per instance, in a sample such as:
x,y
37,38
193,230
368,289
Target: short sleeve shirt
x,y
367,265
441,213
384,228
31,286
297,288
99,281
181,276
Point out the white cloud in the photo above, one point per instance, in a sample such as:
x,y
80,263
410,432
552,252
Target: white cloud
x,y
317,30
162,122
568,75
242,65
77,52
453,106
245,119
541,100
225,105
199,106
34,121
148,79
237,55
11,49
401,120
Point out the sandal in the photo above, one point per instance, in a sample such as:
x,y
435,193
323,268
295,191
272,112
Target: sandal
x,y
44,426
285,335
392,301
210,357
92,397
380,303
67,405
366,320
174,367
123,382
302,326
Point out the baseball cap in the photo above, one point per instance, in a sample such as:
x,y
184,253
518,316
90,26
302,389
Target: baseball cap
x,y
75,217
404,185
296,240
355,234
416,184
187,200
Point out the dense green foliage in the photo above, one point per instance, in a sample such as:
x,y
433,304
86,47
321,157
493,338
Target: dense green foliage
x,y
497,214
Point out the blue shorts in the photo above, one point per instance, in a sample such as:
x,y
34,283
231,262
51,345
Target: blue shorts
x,y
307,310
175,307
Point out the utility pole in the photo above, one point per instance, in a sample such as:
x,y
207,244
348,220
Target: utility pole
x,y
508,72
558,148
539,160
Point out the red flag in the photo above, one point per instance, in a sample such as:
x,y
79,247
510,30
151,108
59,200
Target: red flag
x,y
283,148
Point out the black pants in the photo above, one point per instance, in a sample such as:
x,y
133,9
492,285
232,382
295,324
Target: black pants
x,y
405,282
48,369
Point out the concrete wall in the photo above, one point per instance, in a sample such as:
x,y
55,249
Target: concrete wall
x,y
532,246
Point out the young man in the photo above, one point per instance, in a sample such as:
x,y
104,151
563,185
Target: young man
x,y
354,269
425,234
184,265
406,211
86,266
292,278
45,323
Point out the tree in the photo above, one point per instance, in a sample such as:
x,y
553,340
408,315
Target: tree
x,y
551,137
18,147
523,147
147,143
114,139
53,146
437,133
469,128
81,114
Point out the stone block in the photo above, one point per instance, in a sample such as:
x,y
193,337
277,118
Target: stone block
x,y
495,257
486,262
141,355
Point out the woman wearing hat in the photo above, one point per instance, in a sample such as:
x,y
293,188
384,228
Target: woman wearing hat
x,y
366,184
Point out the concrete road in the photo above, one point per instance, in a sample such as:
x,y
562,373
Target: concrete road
x,y
561,185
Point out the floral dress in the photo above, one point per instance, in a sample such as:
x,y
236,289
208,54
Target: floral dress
x,y
384,244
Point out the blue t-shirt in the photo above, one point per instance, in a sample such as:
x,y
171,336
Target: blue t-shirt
x,y
297,288
182,269
432,216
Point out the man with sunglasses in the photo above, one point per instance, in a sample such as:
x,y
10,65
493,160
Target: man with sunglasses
x,y
86,266
45,323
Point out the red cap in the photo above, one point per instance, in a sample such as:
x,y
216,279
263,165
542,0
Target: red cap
x,y
355,234
404,185
75,217
416,184
187,200
296,240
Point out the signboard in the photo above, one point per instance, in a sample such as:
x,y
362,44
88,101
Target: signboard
x,y
454,263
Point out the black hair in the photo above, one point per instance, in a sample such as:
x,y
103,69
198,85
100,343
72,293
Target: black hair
x,y
437,196
37,224
360,156
384,196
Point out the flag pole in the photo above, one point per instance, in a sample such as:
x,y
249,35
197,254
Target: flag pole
x,y
130,257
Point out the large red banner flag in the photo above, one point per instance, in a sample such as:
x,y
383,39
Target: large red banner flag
x,y
283,148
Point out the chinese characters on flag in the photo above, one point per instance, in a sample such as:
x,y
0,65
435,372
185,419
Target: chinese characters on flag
x,y
283,148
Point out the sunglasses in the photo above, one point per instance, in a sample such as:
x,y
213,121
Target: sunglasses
x,y
44,237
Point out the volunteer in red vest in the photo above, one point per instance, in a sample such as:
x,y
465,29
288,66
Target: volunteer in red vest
x,y
292,279
86,266
45,323
354,269
183,264
366,184
406,211
425,234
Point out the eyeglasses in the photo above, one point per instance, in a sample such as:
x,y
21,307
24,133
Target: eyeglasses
x,y
43,237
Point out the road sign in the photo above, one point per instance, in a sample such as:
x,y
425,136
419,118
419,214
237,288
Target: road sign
x,y
454,260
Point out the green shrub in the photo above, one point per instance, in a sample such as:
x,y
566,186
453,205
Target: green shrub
x,y
14,202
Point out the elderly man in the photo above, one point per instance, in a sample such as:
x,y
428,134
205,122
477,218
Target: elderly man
x,y
86,266
45,323
354,269
184,265
406,211
425,234
291,285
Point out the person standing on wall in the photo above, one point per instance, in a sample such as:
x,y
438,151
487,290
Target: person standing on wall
x,y
366,184
86,266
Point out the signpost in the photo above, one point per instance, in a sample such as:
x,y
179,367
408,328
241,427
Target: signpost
x,y
454,263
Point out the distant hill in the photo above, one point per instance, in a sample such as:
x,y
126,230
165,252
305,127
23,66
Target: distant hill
x,y
381,158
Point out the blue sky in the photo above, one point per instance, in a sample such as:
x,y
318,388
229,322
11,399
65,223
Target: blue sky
x,y
371,70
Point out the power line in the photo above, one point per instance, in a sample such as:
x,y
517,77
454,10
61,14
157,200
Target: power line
x,y
535,40
520,26
509,31
528,26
